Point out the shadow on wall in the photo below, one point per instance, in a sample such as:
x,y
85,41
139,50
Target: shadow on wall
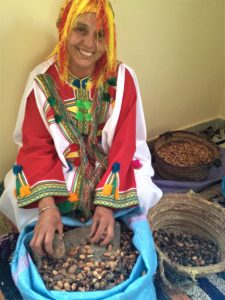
x,y
22,52
23,46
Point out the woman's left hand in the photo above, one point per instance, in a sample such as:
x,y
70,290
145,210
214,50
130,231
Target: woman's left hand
x,y
102,229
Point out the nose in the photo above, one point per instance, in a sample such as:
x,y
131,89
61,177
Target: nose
x,y
90,42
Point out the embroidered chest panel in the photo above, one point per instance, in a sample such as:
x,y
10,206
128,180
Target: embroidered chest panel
x,y
84,104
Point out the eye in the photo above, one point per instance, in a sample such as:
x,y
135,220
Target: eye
x,y
100,35
80,29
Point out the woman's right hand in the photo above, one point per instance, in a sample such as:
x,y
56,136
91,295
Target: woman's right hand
x,y
48,224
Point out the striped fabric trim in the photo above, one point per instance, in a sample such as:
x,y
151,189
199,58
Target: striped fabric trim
x,y
42,190
76,180
47,108
62,125
218,282
196,293
210,289
66,132
127,199
22,178
221,275
70,102
43,87
66,151
51,121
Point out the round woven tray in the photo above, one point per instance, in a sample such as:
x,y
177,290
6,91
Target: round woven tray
x,y
173,172
191,214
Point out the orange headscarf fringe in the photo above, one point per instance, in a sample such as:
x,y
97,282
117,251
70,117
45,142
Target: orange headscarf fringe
x,y
71,9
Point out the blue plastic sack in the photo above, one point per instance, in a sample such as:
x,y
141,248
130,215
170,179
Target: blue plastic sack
x,y
223,186
136,287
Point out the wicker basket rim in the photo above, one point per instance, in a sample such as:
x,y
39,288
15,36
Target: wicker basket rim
x,y
189,195
194,198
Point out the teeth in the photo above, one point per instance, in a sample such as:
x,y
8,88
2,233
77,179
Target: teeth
x,y
88,54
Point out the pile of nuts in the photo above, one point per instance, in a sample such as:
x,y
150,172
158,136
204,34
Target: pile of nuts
x,y
187,249
185,154
79,271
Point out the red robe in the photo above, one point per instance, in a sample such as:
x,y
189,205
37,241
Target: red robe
x,y
43,172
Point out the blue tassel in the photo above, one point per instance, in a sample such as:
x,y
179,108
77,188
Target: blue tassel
x,y
69,165
115,167
76,83
84,83
114,184
17,169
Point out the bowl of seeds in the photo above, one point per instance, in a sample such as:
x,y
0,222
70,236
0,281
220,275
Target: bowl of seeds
x,y
185,156
189,235
79,266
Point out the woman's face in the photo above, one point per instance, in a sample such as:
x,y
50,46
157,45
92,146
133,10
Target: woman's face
x,y
86,45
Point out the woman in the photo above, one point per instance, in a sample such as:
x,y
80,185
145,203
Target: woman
x,y
81,133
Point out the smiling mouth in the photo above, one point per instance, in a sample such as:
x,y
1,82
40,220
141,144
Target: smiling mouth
x,y
85,53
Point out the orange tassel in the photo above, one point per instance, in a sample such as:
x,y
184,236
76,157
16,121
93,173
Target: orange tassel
x,y
25,191
73,197
107,190
117,195
113,104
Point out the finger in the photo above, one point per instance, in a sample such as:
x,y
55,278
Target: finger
x,y
48,241
60,230
99,232
109,235
36,244
94,227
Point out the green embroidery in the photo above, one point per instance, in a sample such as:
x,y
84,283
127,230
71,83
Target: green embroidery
x,y
43,190
87,104
126,199
79,116
79,103
88,117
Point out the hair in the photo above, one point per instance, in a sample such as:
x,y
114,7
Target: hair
x,y
69,12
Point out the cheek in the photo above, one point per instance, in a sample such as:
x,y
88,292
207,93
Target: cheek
x,y
101,48
73,39
70,48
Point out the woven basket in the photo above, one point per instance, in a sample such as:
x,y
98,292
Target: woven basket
x,y
190,214
172,172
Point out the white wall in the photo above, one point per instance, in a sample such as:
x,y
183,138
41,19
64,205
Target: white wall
x,y
27,35
177,50
175,46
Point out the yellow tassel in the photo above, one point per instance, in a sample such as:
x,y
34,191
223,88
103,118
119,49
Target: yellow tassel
x,y
111,48
72,155
117,195
25,191
73,197
89,86
107,190
73,109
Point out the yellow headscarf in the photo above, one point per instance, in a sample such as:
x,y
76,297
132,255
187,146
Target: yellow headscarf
x,y
68,15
